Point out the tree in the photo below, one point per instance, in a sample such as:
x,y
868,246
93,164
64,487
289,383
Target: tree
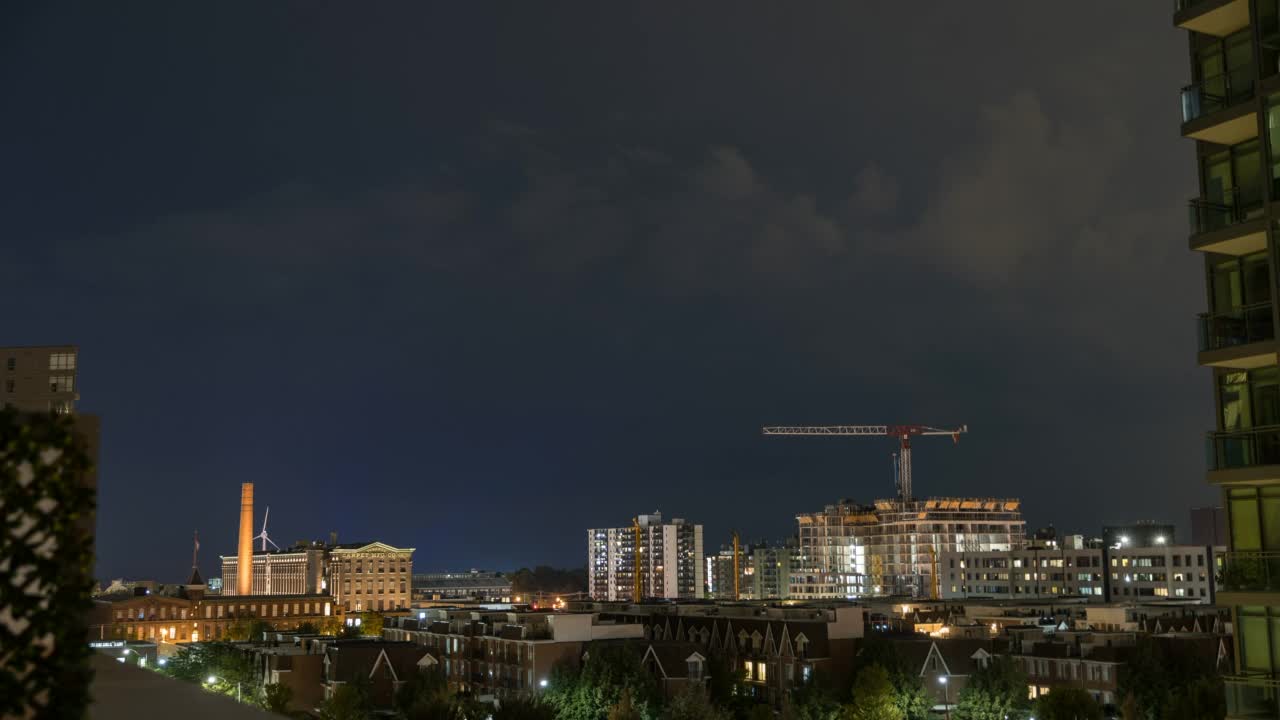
x,y
1203,699
589,693
624,709
692,704
331,626
371,623
223,661
817,700
874,697
348,702
909,691
1067,703
994,692
532,708
423,695
1159,677
276,697
307,628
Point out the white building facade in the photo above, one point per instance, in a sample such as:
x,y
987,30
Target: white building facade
x,y
671,560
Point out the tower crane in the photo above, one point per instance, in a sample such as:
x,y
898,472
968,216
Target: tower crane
x,y
903,433
638,590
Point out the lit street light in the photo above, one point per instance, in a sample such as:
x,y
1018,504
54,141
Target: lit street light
x,y
213,679
946,696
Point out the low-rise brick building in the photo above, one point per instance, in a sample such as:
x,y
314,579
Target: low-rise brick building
x,y
504,653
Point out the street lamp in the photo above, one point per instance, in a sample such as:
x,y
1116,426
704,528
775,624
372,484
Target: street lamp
x,y
213,679
946,695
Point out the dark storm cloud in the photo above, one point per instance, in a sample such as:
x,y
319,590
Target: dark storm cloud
x,y
420,263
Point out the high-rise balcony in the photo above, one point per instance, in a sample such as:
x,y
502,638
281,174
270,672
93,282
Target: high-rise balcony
x,y
1240,338
1250,571
1250,697
1244,457
1211,17
1233,224
1219,109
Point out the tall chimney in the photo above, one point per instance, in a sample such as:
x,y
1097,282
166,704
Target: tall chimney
x,y
244,567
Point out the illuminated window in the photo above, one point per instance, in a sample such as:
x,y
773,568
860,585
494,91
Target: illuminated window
x,y
57,361
62,383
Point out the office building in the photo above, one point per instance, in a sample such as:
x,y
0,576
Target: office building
x,y
193,616
295,571
471,585
1231,110
1100,574
889,548
359,576
1208,526
370,576
670,555
769,569
1140,534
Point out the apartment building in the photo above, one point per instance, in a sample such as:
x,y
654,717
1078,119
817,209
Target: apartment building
x,y
889,548
671,564
504,653
1100,574
1231,111
39,378
777,649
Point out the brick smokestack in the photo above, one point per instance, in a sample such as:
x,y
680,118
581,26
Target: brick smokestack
x,y
244,565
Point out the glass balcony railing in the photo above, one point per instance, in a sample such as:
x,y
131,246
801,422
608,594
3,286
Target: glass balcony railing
x,y
1252,697
1217,93
1250,571
1239,326
1244,448
1232,207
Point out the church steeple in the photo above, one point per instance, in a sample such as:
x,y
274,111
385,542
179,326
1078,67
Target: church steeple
x,y
194,588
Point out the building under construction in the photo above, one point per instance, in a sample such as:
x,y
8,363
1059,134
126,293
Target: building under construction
x,y
891,547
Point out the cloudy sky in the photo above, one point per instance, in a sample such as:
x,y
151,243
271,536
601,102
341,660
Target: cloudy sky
x,y
476,280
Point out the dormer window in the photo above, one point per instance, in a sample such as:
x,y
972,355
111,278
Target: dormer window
x,y
694,663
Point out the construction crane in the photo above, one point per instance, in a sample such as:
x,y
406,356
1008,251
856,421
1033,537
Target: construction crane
x,y
635,563
935,586
736,574
904,433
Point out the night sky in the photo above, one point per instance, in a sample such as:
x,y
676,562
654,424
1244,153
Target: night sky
x,y
473,281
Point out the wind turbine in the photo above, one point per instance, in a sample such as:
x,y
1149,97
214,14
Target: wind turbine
x,y
263,535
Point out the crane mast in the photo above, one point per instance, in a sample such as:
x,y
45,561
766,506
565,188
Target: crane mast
x,y
638,589
903,433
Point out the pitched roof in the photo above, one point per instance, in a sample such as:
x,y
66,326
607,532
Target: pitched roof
x,y
672,658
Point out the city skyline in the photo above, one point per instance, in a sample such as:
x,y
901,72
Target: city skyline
x,y
475,270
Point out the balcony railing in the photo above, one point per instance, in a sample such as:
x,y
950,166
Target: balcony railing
x,y
1244,448
1252,697
1250,571
1239,326
1236,206
1217,93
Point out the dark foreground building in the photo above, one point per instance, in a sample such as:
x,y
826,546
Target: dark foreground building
x,y
1231,110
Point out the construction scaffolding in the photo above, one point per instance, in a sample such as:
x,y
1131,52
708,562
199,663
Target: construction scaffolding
x,y
887,548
